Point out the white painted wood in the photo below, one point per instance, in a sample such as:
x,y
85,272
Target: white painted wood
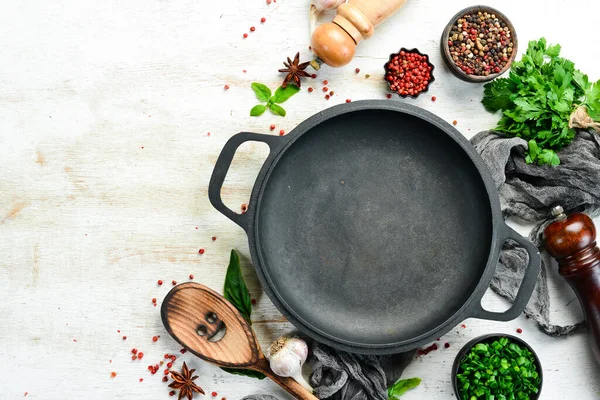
x,y
105,109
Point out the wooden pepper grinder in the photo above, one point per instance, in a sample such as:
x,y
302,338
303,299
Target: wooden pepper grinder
x,y
571,240
334,43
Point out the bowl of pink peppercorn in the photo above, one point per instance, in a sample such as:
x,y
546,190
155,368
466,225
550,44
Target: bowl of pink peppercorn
x,y
479,44
408,73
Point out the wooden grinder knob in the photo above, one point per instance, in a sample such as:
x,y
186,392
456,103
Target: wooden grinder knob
x,y
334,43
571,240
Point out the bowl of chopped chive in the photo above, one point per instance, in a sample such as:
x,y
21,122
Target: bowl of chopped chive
x,y
479,44
497,366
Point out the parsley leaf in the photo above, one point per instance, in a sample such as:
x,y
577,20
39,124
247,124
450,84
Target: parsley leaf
x,y
263,93
538,98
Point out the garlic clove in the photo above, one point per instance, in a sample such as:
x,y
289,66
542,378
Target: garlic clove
x,y
286,357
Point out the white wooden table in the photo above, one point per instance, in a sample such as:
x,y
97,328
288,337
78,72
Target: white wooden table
x,y
105,156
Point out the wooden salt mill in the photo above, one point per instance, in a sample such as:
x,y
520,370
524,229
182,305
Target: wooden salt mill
x,y
571,240
334,43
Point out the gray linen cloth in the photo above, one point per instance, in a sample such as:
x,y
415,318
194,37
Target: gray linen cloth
x,y
526,191
529,192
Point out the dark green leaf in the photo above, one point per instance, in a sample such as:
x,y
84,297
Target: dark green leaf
x,y
402,386
497,95
245,372
277,109
263,93
235,289
257,110
282,94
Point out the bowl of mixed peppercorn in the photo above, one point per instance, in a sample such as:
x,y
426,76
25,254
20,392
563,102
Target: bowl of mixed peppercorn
x,y
497,366
479,44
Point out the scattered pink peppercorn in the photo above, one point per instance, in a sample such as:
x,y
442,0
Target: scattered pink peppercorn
x,y
389,95
124,337
172,393
140,355
357,70
214,238
226,87
191,276
519,330
433,98
348,101
447,345
134,351
281,132
134,357
201,251
113,374
154,299
245,35
253,301
252,29
263,20
166,372
314,76
155,338
141,379
454,122
183,351
174,282
214,394
325,89
165,379
310,90
160,282
331,93
327,97
169,365
272,127
325,82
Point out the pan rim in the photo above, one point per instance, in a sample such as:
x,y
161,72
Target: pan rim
x,y
497,226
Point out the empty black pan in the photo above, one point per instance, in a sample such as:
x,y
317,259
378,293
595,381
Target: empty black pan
x,y
374,227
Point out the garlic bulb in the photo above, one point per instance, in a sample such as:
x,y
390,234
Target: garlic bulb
x,y
286,357
317,7
323,5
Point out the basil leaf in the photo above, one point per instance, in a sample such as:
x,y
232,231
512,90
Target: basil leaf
x,y
257,110
245,372
235,289
263,93
282,94
402,386
277,109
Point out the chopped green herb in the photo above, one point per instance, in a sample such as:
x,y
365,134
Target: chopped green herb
x,y
538,98
501,370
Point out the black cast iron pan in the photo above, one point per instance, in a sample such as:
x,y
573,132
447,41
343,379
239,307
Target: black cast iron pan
x,y
374,227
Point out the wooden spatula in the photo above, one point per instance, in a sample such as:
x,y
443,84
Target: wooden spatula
x,y
210,327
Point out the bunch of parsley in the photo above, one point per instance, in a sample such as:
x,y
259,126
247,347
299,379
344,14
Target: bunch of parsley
x,y
538,98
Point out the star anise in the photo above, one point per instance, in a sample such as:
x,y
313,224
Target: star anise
x,y
184,382
294,70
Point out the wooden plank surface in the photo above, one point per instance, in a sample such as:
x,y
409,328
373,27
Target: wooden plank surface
x,y
105,156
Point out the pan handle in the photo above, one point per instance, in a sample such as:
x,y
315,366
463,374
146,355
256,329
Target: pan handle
x,y
527,284
222,166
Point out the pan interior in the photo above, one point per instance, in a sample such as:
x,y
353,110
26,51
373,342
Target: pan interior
x,y
374,227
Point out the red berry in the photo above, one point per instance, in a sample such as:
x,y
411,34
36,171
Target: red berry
x,y
226,87
325,82
252,29
357,70
281,132
214,394
165,379
183,351
331,93
201,251
154,299
172,392
174,282
134,351
310,90
113,374
389,95
154,338
433,98
327,97
454,122
325,89
140,355
447,345
272,127
134,357
314,76
263,20
214,237
124,337
519,330
166,372
160,282
348,100
245,35
169,365
191,276
141,379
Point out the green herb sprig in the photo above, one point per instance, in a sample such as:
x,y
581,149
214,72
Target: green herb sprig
x,y
263,93
401,387
538,98
501,370
236,292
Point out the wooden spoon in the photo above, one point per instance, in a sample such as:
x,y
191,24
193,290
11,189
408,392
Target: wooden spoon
x,y
209,326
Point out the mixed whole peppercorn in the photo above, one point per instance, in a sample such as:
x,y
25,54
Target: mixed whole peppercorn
x,y
480,44
408,73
